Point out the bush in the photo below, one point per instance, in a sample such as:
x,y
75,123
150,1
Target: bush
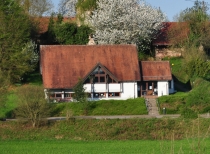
x,y
198,98
188,113
32,104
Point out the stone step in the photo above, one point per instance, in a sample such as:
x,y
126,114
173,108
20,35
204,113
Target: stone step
x,y
153,109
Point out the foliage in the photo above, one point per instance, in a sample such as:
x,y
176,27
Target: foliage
x,y
31,104
125,22
79,92
36,7
188,113
3,93
195,101
67,7
196,63
197,25
172,103
86,5
106,129
85,9
15,39
177,69
198,99
67,32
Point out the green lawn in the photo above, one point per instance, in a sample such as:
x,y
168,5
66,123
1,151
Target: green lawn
x,y
103,107
100,147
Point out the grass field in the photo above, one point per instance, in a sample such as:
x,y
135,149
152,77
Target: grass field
x,y
102,147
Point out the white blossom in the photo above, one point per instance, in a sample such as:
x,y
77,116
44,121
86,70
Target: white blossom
x,y
125,21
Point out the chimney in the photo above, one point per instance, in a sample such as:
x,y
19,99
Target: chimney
x,y
91,40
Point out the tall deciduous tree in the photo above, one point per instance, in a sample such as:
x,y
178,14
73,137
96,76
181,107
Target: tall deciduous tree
x,y
37,7
15,56
125,22
196,20
68,7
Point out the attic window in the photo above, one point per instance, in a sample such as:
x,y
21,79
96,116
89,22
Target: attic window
x,y
98,70
111,80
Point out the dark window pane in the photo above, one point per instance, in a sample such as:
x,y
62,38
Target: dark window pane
x,y
58,95
87,80
109,80
117,94
102,79
96,80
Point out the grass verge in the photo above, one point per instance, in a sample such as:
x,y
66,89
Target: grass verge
x,y
95,147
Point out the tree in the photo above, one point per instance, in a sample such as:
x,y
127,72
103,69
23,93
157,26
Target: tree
x,y
37,8
67,32
125,22
3,89
196,20
79,92
194,24
68,8
85,9
32,104
15,30
77,8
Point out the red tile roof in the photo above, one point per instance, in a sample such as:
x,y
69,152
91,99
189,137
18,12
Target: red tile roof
x,y
62,65
155,70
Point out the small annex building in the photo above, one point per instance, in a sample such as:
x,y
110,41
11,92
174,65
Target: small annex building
x,y
107,71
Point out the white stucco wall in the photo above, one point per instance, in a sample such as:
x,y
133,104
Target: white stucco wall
x,y
127,90
162,88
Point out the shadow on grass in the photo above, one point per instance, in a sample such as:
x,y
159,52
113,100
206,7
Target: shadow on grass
x,y
180,86
34,78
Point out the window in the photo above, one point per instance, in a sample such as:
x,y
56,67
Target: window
x,y
68,95
110,80
102,79
114,94
87,80
99,95
57,95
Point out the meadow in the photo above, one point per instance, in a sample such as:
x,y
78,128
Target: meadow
x,y
103,147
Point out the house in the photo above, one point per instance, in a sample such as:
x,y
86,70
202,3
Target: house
x,y
171,34
108,72
156,78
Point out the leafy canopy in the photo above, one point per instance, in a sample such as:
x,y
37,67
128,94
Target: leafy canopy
x,y
15,30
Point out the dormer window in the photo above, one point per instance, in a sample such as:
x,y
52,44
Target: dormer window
x,y
100,75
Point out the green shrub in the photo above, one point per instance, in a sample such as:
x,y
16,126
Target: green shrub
x,y
198,98
188,113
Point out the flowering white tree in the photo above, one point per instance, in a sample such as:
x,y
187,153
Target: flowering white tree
x,y
125,22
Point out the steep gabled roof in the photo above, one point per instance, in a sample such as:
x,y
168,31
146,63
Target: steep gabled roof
x,y
62,65
155,70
